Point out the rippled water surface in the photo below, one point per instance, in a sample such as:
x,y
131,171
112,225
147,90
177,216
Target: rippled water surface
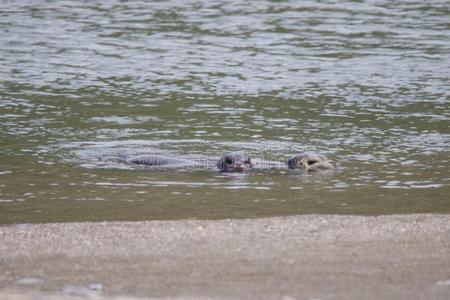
x,y
82,83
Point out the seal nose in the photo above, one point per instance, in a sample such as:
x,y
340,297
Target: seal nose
x,y
238,167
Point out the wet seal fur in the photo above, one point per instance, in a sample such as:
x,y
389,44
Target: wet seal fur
x,y
237,162
310,162
234,162
229,162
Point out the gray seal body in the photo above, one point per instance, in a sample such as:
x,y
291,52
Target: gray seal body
x,y
310,162
229,162
236,162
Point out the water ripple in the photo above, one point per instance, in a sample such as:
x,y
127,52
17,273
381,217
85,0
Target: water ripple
x,y
365,83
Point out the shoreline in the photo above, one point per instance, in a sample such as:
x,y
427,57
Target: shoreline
x,y
296,257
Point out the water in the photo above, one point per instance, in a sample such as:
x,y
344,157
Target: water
x,y
363,82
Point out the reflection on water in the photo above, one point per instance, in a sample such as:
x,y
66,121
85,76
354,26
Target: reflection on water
x,y
83,83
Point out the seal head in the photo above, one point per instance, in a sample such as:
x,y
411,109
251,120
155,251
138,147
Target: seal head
x,y
234,162
310,162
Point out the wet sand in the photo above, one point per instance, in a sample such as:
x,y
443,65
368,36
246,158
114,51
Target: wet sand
x,y
299,257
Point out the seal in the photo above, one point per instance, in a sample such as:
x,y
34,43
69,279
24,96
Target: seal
x,y
234,162
237,162
229,162
310,162
159,161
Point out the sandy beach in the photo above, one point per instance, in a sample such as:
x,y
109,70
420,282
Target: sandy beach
x,y
298,257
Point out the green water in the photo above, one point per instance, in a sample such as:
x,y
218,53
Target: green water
x,y
363,82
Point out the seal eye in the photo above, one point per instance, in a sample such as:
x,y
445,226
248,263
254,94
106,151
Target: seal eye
x,y
228,161
311,162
